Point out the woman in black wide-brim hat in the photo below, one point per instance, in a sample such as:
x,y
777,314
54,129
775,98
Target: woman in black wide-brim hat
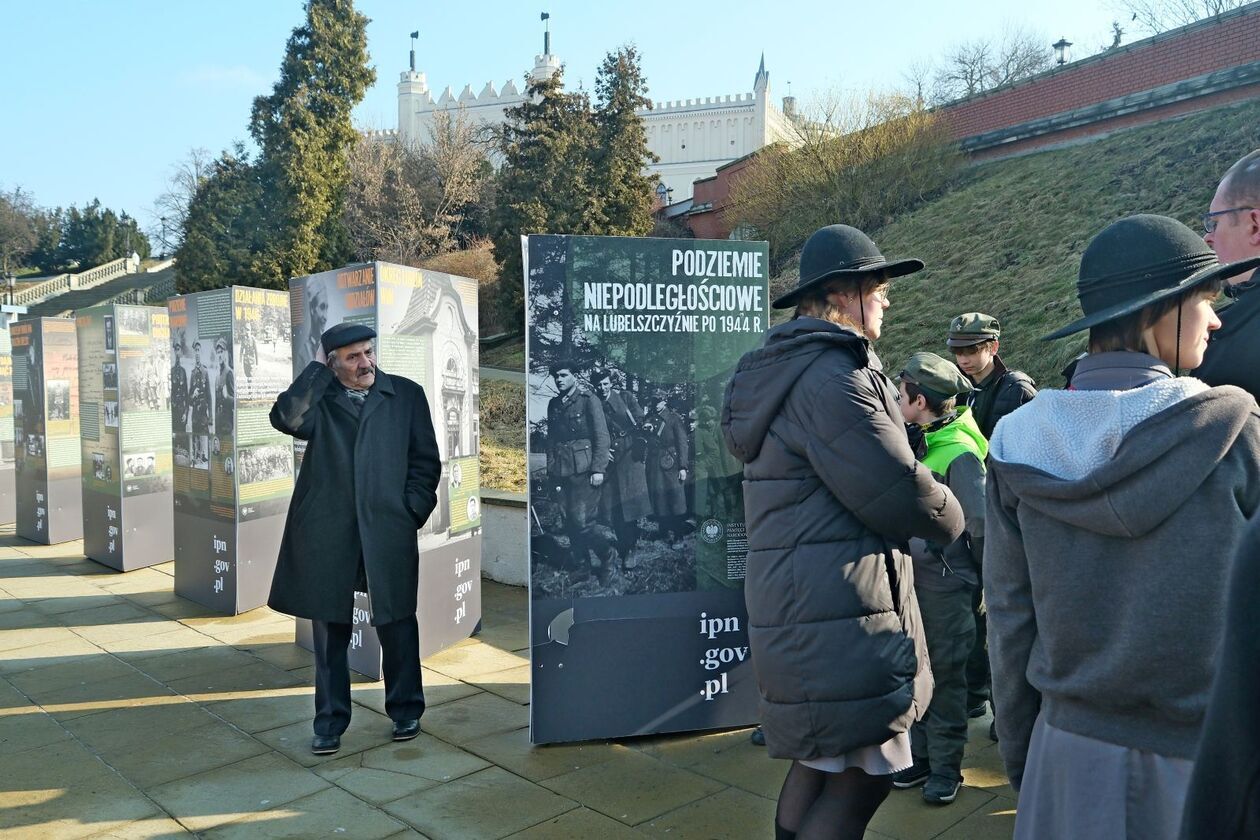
x,y
1113,510
832,494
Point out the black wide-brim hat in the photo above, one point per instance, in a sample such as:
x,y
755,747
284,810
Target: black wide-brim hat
x,y
1140,260
841,251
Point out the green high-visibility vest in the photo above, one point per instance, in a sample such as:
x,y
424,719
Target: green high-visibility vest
x,y
951,440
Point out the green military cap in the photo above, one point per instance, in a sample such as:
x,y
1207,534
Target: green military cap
x,y
935,376
973,328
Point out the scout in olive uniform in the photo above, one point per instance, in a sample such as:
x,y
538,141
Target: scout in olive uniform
x,y
974,339
945,576
577,459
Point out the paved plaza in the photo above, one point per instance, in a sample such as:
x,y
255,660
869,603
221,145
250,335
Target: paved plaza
x,y
126,712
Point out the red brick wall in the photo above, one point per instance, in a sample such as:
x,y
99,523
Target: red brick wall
x,y
712,224
1176,109
1164,59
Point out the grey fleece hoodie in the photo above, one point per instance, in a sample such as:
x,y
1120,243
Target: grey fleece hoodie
x,y
1112,517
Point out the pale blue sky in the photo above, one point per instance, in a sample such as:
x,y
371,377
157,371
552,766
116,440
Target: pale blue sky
x,y
99,99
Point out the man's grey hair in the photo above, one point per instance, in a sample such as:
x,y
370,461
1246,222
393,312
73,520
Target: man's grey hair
x,y
1242,181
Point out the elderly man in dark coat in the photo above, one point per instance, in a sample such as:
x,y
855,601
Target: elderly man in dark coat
x,y
368,483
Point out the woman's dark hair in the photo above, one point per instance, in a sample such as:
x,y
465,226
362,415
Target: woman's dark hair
x,y
1126,333
936,406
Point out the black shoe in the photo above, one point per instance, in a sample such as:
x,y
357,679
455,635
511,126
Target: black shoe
x,y
758,737
405,730
993,731
979,710
915,774
325,744
940,790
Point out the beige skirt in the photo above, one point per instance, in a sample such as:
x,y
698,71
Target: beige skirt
x,y
892,756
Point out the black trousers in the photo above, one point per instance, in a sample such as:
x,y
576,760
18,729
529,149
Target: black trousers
x,y
400,660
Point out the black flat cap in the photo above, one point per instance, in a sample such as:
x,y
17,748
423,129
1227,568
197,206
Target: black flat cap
x,y
343,334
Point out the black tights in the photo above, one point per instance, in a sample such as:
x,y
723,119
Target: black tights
x,y
814,805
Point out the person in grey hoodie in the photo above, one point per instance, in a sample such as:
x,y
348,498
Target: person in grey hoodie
x,y
1113,511
832,495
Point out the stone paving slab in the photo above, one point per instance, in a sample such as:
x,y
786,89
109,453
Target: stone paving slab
x,y
127,713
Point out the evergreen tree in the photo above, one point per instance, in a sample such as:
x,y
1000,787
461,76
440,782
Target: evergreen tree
x,y
224,231
304,131
261,222
96,235
621,153
546,183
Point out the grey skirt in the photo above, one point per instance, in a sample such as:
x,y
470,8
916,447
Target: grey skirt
x,y
1086,789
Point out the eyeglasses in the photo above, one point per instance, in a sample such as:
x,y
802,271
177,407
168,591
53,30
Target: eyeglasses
x,y
880,293
1210,221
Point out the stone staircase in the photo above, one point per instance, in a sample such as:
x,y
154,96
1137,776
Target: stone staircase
x,y
152,288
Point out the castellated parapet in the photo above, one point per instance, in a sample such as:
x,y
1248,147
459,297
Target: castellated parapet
x,y
692,137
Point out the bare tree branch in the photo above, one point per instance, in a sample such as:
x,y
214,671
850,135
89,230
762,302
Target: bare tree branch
x,y
1155,16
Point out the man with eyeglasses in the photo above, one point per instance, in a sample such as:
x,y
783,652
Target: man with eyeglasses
x,y
1232,229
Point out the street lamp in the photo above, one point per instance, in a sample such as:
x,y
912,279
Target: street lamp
x,y
664,194
1061,47
10,283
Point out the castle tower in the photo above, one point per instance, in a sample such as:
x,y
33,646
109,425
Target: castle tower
x,y
545,65
761,93
413,95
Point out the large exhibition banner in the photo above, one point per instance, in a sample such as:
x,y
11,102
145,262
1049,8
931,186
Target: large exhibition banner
x,y
426,326
233,472
8,492
125,422
46,429
637,539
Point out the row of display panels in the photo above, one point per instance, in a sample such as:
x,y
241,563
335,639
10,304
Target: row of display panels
x,y
146,432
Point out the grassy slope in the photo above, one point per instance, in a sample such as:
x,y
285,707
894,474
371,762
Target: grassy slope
x,y
503,435
1007,239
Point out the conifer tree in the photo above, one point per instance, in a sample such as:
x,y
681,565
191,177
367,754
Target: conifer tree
x,y
626,190
304,131
546,183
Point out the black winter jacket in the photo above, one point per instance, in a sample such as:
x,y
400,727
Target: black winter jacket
x,y
832,494
1233,353
1004,391
367,485
1224,798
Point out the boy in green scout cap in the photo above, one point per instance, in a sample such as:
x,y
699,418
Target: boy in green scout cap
x,y
945,577
974,338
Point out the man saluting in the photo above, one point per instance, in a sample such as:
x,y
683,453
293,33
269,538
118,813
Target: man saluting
x,y
368,482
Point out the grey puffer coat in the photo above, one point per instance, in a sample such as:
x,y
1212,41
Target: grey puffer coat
x,y
832,494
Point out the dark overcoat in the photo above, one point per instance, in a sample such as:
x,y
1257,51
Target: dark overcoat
x,y
667,453
625,491
367,485
832,494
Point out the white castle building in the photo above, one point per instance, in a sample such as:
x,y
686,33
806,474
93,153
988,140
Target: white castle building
x,y
692,138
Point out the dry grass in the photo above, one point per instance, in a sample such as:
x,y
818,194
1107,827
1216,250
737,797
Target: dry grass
x,y
503,436
1007,238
